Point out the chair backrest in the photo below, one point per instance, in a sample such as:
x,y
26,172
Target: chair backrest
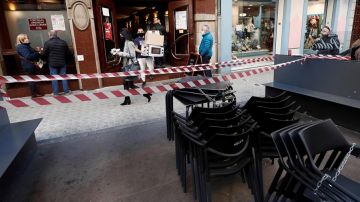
x,y
272,124
278,100
222,109
222,122
282,116
200,117
233,143
323,137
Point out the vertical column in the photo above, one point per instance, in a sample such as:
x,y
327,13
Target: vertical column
x,y
296,23
225,35
204,14
81,19
5,42
340,20
279,25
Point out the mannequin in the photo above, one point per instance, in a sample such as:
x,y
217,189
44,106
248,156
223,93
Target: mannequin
x,y
108,29
312,31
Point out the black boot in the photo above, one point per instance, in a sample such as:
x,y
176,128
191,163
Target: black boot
x,y
148,96
127,101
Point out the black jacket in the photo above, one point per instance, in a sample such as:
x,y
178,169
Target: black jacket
x,y
328,45
56,52
352,52
27,56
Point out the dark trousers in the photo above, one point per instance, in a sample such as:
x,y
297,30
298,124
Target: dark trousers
x,y
32,85
206,60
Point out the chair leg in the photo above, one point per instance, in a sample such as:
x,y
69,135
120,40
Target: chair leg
x,y
275,181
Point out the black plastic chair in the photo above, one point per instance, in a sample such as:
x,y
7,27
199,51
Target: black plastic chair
x,y
326,137
232,158
304,166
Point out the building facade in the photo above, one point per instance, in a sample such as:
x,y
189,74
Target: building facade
x,y
240,29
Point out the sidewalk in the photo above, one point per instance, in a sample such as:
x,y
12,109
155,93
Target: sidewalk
x,y
63,120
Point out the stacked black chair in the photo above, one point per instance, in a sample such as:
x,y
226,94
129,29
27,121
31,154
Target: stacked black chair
x,y
212,96
271,113
312,156
215,142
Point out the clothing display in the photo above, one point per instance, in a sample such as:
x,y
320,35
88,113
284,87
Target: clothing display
x,y
248,37
108,31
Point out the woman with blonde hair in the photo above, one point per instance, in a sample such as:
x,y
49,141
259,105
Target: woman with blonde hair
x,y
28,56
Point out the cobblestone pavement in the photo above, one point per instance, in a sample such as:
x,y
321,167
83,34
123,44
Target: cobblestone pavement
x,y
63,120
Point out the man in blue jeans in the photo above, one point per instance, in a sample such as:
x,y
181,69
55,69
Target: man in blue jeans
x,y
56,52
205,48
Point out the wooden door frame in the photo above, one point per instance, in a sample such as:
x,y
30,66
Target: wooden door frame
x,y
99,29
172,6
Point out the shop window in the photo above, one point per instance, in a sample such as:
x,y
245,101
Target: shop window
x,y
253,27
315,20
108,32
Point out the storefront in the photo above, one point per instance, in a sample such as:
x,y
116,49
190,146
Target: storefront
x,y
253,27
36,19
91,28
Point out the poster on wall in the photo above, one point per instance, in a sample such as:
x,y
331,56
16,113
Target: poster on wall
x,y
37,24
58,22
181,20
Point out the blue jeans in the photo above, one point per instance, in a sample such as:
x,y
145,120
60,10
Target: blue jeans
x,y
55,86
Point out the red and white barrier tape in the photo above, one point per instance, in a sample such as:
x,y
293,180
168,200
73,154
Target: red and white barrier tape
x,y
171,70
331,57
43,101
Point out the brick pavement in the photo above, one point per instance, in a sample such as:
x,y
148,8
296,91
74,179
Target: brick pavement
x,y
63,120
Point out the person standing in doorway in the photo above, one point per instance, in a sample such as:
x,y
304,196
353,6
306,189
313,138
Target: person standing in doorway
x,y
205,49
56,52
28,56
328,43
159,61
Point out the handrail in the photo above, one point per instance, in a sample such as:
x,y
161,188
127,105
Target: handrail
x,y
174,43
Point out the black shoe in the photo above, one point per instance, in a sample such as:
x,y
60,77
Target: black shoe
x,y
148,96
127,101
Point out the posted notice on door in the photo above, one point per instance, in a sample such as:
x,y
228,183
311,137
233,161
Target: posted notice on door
x,y
181,20
58,22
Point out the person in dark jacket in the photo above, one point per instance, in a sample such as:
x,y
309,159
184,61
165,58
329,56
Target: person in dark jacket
x,y
354,51
28,56
205,49
328,44
56,52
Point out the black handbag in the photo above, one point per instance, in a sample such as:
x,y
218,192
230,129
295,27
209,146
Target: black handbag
x,y
134,66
